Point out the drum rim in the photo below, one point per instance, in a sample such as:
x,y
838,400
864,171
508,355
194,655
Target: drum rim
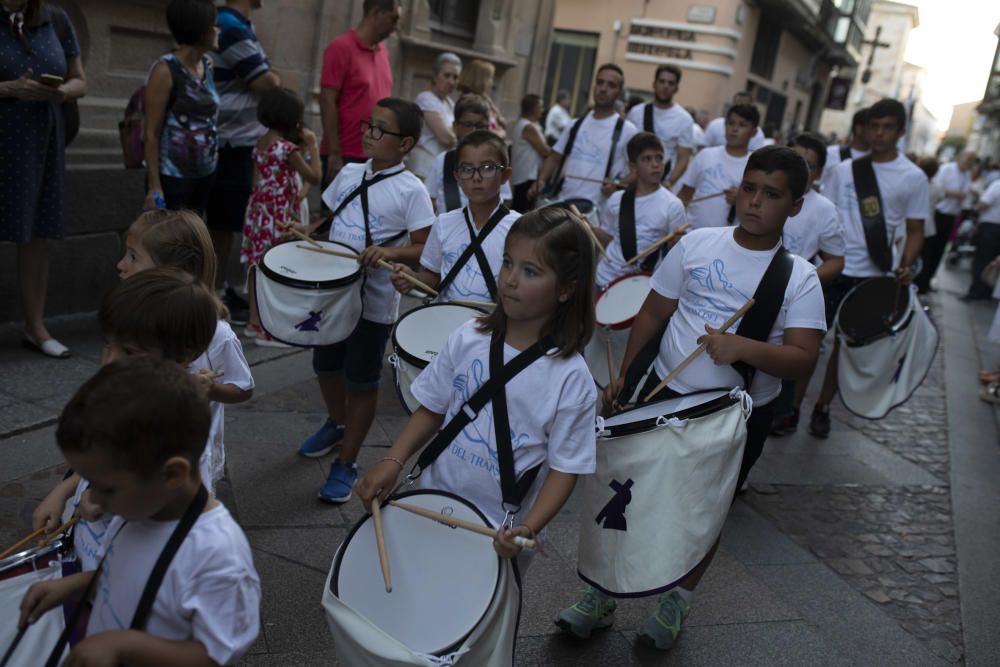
x,y
339,557
308,284
897,327
625,324
401,352
29,555
693,412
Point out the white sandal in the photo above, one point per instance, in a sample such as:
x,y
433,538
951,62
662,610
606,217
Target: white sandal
x,y
50,347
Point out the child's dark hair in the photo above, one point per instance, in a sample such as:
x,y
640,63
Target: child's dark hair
x,y
781,158
568,251
189,20
529,103
160,310
811,142
141,411
747,112
643,141
408,115
280,109
888,108
471,103
860,119
484,138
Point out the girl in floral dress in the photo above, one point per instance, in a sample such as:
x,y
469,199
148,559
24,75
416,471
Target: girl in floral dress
x,y
276,201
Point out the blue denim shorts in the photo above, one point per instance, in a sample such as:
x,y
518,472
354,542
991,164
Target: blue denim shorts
x,y
358,357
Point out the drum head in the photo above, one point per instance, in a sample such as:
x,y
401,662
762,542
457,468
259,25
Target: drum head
x,y
874,308
621,300
36,558
421,333
443,579
288,264
645,417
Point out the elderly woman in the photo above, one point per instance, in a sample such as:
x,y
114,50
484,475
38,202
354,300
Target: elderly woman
x,y
439,115
477,77
40,68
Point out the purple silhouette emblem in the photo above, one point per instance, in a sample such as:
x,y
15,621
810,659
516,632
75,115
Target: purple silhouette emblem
x,y
311,323
613,514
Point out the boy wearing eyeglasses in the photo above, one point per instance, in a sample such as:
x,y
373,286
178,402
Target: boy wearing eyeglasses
x,y
376,207
463,253
472,113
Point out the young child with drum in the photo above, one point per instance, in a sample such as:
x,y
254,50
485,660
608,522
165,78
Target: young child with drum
x,y
276,201
376,206
637,217
121,431
447,191
483,223
705,280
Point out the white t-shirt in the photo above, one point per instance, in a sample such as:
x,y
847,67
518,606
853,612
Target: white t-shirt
x,y
991,197
903,188
224,353
556,121
715,134
815,228
674,126
551,406
711,171
697,136
435,186
421,158
210,593
397,204
87,535
589,157
656,214
712,276
449,238
524,159
951,179
832,160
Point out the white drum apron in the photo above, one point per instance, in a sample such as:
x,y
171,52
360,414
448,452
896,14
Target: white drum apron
x,y
615,309
453,600
17,573
666,476
307,298
417,338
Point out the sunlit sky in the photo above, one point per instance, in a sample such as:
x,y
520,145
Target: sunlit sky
x,y
955,43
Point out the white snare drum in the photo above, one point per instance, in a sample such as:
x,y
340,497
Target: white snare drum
x,y
307,298
417,338
666,475
615,309
17,574
450,590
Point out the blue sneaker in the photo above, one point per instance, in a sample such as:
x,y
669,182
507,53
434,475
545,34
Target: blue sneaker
x,y
322,441
339,482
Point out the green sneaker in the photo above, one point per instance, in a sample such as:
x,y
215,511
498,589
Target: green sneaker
x,y
661,629
594,610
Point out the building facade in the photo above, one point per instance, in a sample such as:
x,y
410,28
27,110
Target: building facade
x,y
985,139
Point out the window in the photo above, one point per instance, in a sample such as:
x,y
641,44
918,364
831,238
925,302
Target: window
x,y
454,17
571,67
765,48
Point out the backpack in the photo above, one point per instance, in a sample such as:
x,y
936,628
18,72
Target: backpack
x,y
130,130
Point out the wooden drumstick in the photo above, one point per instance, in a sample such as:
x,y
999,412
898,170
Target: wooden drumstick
x,y
383,556
611,360
61,530
308,239
587,228
697,351
384,264
522,542
695,201
666,239
474,304
587,179
22,542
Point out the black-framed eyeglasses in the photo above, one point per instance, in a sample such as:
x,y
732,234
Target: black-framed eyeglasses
x,y
488,170
469,125
376,132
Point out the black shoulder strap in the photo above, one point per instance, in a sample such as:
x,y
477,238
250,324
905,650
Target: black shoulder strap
x,y
768,297
845,153
184,526
643,360
616,135
626,225
871,210
647,118
362,191
476,247
491,390
452,198
556,180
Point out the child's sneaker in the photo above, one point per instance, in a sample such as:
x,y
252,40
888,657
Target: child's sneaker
x,y
661,629
339,483
322,441
594,610
264,339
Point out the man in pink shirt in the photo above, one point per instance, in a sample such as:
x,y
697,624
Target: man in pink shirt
x,y
356,74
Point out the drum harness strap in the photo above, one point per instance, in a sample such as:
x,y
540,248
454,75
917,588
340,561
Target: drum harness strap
x,y
145,606
555,184
845,153
627,232
452,198
513,490
476,246
362,191
647,126
872,212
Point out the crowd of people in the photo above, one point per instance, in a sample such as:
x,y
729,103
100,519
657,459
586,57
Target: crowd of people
x,y
529,219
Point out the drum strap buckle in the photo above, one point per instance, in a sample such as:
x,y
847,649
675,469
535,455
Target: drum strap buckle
x,y
469,412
